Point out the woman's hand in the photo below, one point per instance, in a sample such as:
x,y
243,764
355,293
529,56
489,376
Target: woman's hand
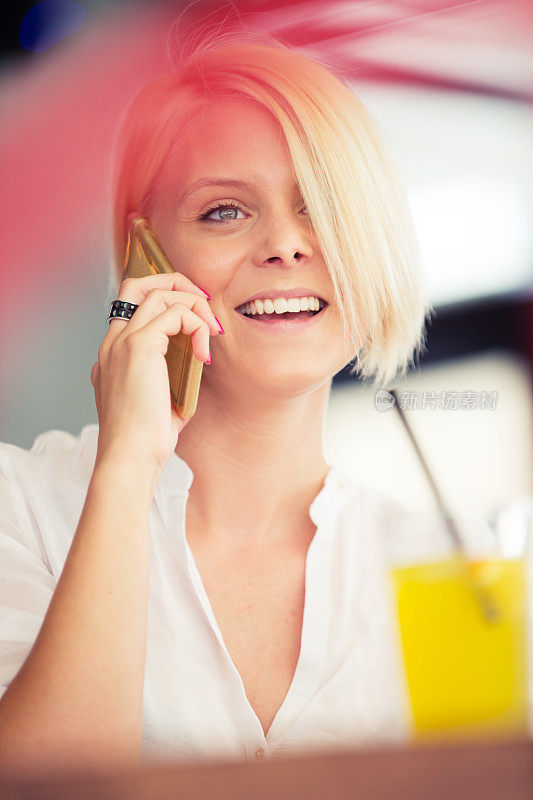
x,y
137,419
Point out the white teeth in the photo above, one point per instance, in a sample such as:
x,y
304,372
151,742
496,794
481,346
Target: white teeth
x,y
280,305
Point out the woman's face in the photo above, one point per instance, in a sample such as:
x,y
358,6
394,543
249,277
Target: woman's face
x,y
261,243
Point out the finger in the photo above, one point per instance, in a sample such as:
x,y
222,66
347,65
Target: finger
x,y
158,300
178,317
134,290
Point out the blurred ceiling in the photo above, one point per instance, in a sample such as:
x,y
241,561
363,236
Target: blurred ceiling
x,y
476,46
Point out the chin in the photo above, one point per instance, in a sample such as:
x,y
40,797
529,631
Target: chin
x,y
290,382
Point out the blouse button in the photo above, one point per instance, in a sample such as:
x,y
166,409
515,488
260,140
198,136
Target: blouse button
x,y
259,753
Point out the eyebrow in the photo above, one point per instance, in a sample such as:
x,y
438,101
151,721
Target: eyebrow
x,y
201,182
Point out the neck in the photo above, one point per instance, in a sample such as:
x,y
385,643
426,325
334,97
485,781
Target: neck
x,y
257,468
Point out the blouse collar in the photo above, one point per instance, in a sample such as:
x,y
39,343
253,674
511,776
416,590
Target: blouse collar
x,y
178,475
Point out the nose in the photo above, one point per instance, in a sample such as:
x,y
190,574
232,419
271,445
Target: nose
x,y
285,244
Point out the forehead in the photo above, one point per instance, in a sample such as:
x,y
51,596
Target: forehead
x,y
234,138
226,113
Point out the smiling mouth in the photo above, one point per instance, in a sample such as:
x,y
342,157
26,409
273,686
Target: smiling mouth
x,y
276,317
287,320
287,315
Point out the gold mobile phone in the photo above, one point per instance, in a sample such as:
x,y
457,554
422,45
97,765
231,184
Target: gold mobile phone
x,y
145,256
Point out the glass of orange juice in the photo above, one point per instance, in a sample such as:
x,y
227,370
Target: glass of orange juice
x,y
466,673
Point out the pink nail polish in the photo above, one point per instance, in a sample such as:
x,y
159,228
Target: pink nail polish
x,y
219,325
203,290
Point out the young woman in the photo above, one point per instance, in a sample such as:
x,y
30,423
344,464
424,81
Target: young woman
x,y
212,587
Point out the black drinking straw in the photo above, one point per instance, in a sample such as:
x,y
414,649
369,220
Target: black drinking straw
x,y
489,608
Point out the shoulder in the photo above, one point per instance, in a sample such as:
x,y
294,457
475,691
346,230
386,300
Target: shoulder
x,y
53,453
367,499
371,514
43,488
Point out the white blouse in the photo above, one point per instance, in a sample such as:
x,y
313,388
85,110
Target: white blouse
x,y
349,687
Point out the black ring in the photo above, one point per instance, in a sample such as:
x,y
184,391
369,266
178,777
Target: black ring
x,y
122,310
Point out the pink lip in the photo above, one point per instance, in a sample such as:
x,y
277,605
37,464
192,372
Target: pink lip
x,y
297,291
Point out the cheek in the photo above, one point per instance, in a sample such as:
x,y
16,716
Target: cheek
x,y
219,267
213,277
197,261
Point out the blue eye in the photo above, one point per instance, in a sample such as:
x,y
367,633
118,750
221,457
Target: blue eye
x,y
207,214
206,217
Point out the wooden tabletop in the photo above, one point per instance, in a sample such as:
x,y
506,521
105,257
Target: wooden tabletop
x,y
495,771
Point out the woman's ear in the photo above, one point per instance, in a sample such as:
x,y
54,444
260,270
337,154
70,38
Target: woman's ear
x,y
131,216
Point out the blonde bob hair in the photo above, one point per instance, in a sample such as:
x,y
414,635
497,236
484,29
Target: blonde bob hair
x,y
355,199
